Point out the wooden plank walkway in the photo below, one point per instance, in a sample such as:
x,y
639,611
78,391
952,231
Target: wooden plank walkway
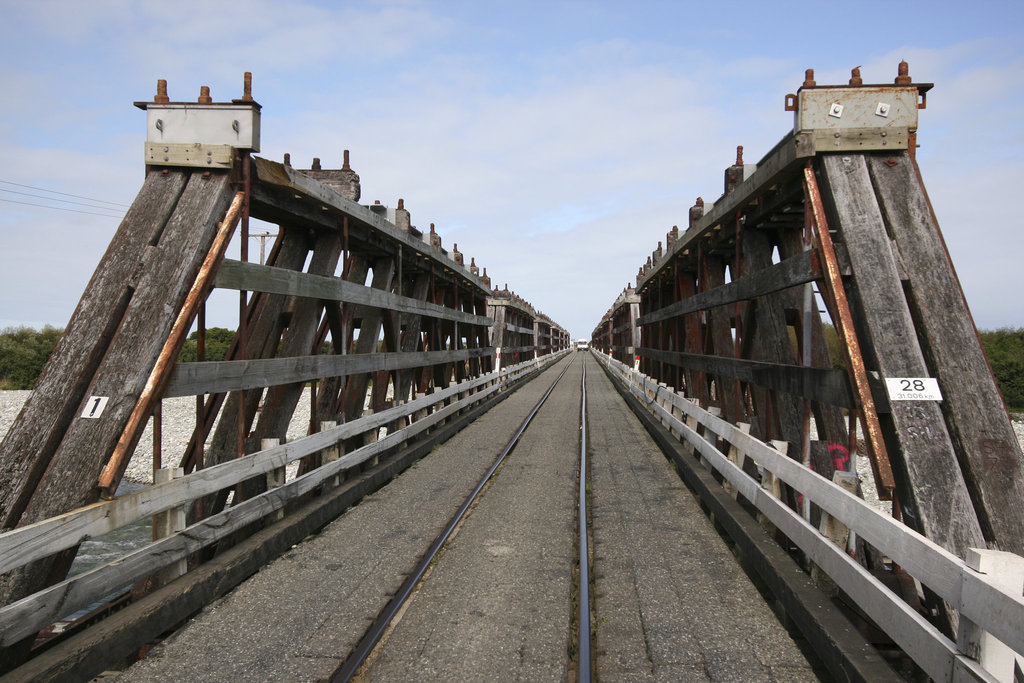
x,y
670,599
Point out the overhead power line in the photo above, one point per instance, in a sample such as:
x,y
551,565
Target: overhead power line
x,y
61,208
65,194
57,199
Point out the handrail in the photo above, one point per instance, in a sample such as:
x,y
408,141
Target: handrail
x,y
968,591
26,616
26,544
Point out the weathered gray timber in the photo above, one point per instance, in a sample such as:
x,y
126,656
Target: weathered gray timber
x,y
989,453
817,384
299,339
113,640
932,490
721,340
33,613
27,449
771,339
250,276
793,271
970,592
264,323
371,323
659,619
167,269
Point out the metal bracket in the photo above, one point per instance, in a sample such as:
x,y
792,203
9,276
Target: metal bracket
x,y
189,154
860,139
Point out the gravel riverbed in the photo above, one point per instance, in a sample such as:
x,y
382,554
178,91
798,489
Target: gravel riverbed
x,y
179,415
179,420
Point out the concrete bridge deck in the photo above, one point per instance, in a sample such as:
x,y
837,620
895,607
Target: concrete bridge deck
x,y
671,603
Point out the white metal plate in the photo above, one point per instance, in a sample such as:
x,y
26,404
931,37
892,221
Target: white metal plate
x,y
94,406
236,126
913,389
856,107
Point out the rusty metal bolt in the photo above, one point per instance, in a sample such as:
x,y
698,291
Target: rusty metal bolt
x,y
903,74
855,78
739,155
204,95
696,211
401,203
316,164
344,163
161,92
809,79
247,87
287,159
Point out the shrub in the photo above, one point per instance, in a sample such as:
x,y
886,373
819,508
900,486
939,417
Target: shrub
x,y
23,354
218,341
1005,350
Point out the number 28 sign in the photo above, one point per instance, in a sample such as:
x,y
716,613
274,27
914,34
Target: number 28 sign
x,y
913,389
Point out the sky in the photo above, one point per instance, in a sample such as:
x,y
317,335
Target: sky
x,y
555,142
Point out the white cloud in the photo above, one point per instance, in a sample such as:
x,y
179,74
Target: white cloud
x,y
559,164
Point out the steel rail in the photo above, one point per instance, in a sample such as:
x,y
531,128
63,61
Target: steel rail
x,y
369,640
583,665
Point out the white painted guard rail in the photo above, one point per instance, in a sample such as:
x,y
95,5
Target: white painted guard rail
x,y
32,542
980,600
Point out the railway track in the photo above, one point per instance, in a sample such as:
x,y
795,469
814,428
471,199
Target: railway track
x,y
372,639
512,552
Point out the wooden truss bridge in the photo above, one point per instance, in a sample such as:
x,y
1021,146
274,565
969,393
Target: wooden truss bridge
x,y
726,313
412,331
720,347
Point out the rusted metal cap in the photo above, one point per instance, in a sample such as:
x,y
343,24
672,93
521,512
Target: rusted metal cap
x,y
204,95
903,74
247,87
855,78
809,79
696,211
161,92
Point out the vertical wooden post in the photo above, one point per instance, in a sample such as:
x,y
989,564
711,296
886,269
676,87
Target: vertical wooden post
x,y
1006,571
738,458
275,477
771,484
168,523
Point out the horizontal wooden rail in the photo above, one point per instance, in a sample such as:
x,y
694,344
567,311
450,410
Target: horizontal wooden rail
x,y
233,375
254,277
31,542
828,385
966,590
17,547
788,156
797,270
315,203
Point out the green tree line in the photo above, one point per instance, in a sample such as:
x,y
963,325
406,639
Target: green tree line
x,y
24,351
